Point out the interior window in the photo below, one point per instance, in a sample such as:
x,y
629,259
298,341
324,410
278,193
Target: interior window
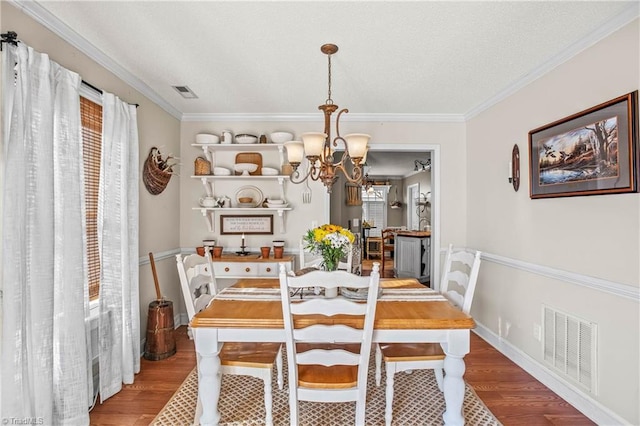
x,y
374,208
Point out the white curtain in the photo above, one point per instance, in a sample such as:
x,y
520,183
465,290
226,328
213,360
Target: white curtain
x,y
118,241
45,367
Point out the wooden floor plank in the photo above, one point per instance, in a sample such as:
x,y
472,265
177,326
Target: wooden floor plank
x,y
511,394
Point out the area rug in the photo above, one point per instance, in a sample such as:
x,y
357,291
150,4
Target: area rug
x,y
417,401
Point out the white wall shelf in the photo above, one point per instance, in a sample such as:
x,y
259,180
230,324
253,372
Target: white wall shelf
x,y
208,180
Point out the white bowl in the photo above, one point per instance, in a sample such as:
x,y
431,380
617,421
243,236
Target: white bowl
x,y
275,201
245,168
281,137
221,171
206,138
245,138
268,171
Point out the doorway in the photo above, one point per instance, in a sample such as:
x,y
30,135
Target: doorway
x,y
337,212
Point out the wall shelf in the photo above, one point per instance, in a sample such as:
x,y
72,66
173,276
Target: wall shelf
x,y
208,180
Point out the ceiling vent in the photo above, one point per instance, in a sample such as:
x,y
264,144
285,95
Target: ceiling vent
x,y
185,92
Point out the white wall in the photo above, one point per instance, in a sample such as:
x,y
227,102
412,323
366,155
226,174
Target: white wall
x,y
159,214
596,236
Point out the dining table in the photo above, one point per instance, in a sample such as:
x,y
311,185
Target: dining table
x,y
407,311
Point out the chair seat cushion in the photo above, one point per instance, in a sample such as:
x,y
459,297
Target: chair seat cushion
x,y
248,354
396,352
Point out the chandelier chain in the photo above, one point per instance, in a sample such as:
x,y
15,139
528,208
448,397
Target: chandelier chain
x,y
329,101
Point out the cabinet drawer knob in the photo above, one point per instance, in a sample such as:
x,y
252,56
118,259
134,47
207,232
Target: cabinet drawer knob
x,y
226,269
268,269
247,269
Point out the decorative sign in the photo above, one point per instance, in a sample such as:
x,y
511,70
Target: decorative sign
x,y
246,224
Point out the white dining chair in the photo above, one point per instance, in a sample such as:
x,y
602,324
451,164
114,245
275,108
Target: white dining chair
x,y
199,286
328,362
461,267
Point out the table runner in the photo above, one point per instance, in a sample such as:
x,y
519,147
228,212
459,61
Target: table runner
x,y
388,294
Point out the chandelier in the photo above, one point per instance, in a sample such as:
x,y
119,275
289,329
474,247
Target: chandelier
x,y
319,148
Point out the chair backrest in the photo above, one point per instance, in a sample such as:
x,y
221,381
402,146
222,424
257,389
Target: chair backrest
x,y
349,331
197,280
388,237
306,261
461,267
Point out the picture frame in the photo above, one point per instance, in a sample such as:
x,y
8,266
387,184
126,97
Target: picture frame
x,y
592,152
246,224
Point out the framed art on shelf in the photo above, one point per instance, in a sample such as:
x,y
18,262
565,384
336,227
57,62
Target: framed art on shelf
x,y
592,152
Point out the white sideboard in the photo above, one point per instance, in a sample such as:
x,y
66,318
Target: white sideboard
x,y
250,266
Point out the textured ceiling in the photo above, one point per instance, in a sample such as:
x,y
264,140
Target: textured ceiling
x,y
418,57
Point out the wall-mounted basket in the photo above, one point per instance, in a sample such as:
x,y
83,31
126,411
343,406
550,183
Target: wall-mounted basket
x,y
156,172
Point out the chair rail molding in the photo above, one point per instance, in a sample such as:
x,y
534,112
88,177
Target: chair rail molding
x,y
606,286
162,255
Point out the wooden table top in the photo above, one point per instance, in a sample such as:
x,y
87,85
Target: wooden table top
x,y
390,315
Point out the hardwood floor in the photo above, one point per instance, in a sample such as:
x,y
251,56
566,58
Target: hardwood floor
x,y
511,394
139,403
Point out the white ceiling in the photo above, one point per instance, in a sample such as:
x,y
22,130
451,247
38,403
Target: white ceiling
x,y
441,59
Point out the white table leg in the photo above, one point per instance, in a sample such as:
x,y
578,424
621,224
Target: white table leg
x,y
453,390
209,375
455,350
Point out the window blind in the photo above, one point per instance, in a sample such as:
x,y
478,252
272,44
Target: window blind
x,y
91,116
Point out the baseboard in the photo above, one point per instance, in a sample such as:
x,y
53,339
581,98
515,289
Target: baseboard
x,y
180,319
591,408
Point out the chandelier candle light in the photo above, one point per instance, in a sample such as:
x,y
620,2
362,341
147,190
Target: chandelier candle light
x,y
316,147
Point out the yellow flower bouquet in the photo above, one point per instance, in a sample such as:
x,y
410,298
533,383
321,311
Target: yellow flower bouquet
x,y
332,242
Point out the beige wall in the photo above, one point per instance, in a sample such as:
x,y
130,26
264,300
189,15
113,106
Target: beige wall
x,y
597,236
159,215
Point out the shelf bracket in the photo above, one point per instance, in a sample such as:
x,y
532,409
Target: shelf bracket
x,y
208,186
281,217
207,153
209,217
281,184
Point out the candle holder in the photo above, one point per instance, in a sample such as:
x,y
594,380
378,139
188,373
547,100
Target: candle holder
x,y
242,251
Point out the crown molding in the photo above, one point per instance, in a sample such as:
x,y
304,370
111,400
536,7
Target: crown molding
x,y
316,117
625,17
44,17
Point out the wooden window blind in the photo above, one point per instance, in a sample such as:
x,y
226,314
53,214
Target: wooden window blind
x,y
91,116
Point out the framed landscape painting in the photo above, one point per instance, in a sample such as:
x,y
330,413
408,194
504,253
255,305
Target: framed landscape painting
x,y
591,152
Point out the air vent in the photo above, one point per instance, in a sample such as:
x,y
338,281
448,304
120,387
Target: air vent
x,y
185,92
570,347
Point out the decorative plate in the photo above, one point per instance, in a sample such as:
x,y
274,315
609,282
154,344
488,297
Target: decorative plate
x,y
250,191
